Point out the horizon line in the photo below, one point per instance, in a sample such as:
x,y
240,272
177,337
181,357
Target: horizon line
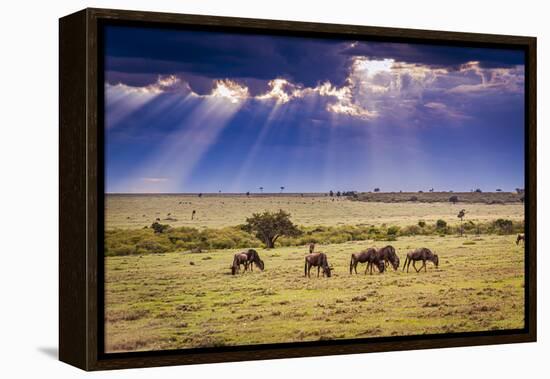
x,y
301,193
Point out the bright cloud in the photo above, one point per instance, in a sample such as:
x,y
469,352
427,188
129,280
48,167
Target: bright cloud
x,y
230,90
373,88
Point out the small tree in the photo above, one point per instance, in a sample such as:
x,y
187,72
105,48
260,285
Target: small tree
x,y
248,193
377,189
478,190
282,189
441,225
200,194
503,226
498,190
453,199
261,189
268,227
159,228
331,193
338,194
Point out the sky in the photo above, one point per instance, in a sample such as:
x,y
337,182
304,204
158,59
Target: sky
x,y
190,111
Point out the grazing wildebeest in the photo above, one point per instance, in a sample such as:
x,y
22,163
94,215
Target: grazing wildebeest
x,y
423,254
253,258
320,261
238,260
521,237
311,248
389,256
369,256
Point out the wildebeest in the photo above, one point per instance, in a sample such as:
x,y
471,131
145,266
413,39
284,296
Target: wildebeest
x,y
389,256
238,260
253,258
320,261
423,254
521,237
369,256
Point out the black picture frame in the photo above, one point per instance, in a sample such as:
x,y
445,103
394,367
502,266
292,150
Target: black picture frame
x,y
81,190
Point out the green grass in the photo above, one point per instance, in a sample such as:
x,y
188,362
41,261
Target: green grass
x,y
176,300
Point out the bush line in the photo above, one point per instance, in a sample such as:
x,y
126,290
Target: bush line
x,y
147,240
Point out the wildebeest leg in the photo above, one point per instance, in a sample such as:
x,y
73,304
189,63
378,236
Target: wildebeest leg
x,y
425,268
318,269
414,266
423,265
309,270
405,263
367,269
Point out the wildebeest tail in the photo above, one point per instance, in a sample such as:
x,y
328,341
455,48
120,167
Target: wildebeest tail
x,y
305,267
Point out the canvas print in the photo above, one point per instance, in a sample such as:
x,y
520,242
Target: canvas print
x,y
264,189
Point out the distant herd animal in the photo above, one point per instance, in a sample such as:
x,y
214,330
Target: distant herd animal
x,y
380,259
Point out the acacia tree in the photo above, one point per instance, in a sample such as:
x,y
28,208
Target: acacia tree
x,y
268,226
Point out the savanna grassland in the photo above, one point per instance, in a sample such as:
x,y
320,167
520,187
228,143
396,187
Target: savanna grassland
x,y
188,298
216,211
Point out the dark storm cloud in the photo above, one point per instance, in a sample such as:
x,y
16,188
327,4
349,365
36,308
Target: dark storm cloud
x,y
440,56
223,55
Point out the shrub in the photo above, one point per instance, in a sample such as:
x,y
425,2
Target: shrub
x,y
120,250
422,223
392,230
441,224
222,243
160,228
149,246
503,226
410,230
453,199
